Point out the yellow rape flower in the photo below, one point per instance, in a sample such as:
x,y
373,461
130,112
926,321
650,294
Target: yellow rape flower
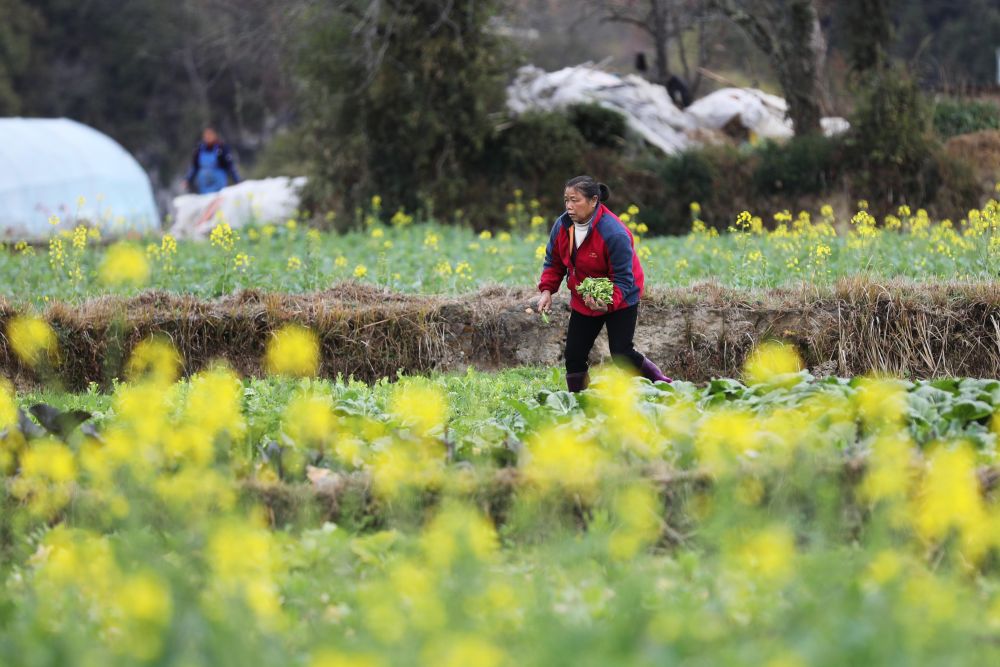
x,y
49,459
293,350
330,658
457,529
168,246
124,264
886,566
773,363
637,509
48,468
31,337
155,360
422,407
887,475
881,403
244,560
400,218
79,237
464,651
309,418
559,458
767,555
242,261
57,255
950,498
223,236
214,400
144,597
8,406
724,436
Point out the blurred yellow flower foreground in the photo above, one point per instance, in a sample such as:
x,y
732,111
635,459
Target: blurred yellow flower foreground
x,y
466,521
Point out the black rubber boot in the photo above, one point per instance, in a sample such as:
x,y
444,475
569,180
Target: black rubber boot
x,y
577,381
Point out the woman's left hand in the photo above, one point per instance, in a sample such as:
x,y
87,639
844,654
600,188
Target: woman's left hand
x,y
593,305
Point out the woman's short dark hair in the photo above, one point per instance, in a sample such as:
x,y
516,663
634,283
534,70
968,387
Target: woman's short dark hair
x,y
589,187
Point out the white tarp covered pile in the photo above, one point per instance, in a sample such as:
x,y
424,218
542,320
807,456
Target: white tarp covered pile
x,y
648,108
266,200
758,111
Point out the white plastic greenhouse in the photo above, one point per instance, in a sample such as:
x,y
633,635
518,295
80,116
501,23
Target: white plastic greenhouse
x,y
58,167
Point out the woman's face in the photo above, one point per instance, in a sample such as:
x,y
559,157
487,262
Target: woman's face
x,y
578,206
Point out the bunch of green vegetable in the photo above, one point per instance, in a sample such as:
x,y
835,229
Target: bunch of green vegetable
x,y
600,290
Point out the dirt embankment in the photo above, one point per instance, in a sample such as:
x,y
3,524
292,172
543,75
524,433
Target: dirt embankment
x,y
694,333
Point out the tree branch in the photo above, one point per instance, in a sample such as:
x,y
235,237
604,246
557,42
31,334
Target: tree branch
x,y
758,31
613,14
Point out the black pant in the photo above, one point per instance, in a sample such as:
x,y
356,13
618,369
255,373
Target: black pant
x,y
583,330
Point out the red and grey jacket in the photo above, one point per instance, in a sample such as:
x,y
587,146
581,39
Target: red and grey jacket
x,y
607,252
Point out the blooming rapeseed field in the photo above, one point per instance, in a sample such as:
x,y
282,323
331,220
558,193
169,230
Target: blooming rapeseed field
x,y
426,257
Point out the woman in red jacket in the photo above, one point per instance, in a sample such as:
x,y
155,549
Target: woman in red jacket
x,y
589,241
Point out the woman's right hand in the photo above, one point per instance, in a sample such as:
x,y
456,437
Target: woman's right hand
x,y
545,301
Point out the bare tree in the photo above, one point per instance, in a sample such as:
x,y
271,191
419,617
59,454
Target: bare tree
x,y
666,22
235,56
788,32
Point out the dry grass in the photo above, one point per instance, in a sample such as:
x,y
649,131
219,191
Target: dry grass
x,y
853,327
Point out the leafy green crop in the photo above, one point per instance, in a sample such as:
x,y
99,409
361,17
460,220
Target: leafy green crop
x,y
600,290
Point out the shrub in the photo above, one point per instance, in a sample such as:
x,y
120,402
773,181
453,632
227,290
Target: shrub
x,y
409,124
893,156
284,155
953,117
803,165
539,141
539,150
599,126
950,184
720,178
889,141
687,177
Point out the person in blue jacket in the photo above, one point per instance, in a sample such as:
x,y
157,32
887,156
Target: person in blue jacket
x,y
212,165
